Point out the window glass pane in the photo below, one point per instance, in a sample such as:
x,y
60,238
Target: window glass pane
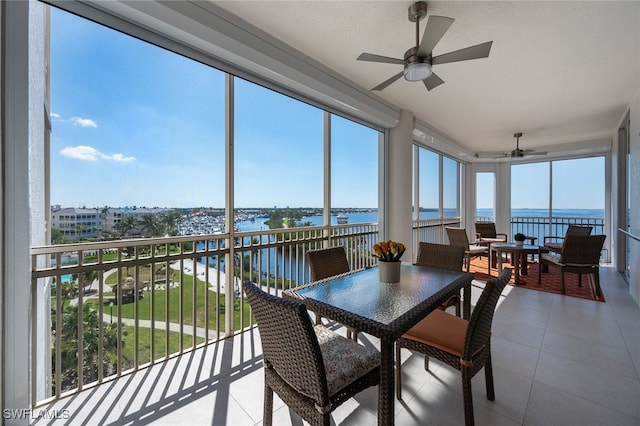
x,y
429,180
278,153
450,186
485,196
151,136
578,188
354,172
530,189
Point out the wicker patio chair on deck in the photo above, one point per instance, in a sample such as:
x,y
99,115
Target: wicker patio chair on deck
x,y
487,230
579,254
458,237
312,369
463,345
486,235
446,257
554,244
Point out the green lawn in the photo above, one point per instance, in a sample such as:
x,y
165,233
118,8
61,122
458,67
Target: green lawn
x,y
159,345
180,305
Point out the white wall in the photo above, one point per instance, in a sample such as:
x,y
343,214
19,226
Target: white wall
x,y
634,283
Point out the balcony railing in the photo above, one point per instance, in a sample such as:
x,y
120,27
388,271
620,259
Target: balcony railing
x,y
101,310
556,226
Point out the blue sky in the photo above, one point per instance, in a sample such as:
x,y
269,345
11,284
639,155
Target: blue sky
x,y
134,124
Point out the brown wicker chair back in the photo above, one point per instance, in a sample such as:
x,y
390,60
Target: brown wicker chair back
x,y
479,328
582,249
458,237
325,263
289,344
440,256
443,256
486,229
578,230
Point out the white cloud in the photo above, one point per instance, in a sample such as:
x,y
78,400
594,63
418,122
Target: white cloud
x,y
89,153
83,122
55,116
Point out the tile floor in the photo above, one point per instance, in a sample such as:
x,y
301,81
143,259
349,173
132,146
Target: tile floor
x,y
557,361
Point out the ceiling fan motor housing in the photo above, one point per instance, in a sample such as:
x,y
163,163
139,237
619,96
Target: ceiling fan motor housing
x,y
417,11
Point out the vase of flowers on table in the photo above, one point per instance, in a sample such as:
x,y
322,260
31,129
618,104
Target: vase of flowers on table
x,y
519,238
389,254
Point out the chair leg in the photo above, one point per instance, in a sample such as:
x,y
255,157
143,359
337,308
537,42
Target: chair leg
x,y
540,273
457,306
267,417
488,378
468,261
467,396
596,281
398,373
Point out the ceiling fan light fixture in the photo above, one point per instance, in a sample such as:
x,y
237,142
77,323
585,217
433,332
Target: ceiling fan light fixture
x,y
417,71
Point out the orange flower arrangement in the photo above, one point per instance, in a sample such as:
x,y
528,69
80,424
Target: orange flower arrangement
x,y
389,251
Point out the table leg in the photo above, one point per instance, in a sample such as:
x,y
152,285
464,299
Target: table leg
x,y
489,259
517,259
499,255
386,388
524,259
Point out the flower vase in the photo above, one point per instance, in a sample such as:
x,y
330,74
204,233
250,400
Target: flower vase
x,y
519,243
389,271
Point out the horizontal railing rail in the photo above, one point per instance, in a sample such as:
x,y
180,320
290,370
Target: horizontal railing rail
x,y
103,309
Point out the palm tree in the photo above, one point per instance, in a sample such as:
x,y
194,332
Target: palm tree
x,y
127,224
170,221
151,225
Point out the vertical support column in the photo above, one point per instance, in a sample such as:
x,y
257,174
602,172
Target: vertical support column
x,y
229,263
398,196
326,213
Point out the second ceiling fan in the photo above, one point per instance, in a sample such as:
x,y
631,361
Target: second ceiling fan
x,y
418,61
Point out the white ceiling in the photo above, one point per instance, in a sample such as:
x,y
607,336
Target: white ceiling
x,y
560,72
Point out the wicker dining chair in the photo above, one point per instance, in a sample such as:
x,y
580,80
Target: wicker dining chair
x,y
325,263
579,254
554,244
442,256
311,368
458,237
461,344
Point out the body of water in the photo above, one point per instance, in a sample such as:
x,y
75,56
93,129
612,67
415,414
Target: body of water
x,y
367,217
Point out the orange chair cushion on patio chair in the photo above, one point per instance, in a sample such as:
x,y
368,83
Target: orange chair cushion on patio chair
x,y
441,330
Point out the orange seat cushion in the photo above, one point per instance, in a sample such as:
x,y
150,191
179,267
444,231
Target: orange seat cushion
x,y
441,330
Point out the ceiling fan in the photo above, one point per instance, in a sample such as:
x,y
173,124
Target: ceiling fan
x,y
519,153
418,61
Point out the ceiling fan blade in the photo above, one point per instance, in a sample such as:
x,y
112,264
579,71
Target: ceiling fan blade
x,y
432,81
474,52
370,57
433,32
388,81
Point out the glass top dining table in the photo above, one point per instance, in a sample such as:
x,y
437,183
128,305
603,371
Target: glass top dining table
x,y
385,310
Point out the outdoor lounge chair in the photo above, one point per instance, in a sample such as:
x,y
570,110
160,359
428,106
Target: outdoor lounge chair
x,y
579,254
554,244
